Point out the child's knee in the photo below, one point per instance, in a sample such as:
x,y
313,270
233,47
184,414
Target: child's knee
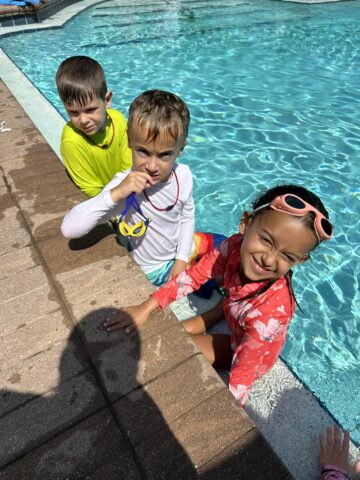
x,y
194,325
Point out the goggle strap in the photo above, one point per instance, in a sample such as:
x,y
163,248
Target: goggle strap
x,y
131,201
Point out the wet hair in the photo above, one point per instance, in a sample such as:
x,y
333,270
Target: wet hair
x,y
80,80
161,113
308,221
309,197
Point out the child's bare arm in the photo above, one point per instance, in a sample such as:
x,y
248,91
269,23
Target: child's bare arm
x,y
179,266
130,318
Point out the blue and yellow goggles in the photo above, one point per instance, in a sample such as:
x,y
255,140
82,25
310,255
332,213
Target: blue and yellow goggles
x,y
138,229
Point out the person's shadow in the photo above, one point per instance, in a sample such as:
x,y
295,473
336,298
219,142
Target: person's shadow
x,y
100,422
93,424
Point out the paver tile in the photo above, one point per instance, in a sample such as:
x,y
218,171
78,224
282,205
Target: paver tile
x,y
18,149
30,165
13,230
248,457
35,190
167,397
22,283
32,337
18,260
44,220
41,418
119,275
97,308
39,374
203,433
125,362
24,309
93,449
63,255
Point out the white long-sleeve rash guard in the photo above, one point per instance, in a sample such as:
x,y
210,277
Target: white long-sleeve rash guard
x,y
170,233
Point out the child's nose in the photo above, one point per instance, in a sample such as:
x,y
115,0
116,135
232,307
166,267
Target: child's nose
x,y
83,119
151,163
268,259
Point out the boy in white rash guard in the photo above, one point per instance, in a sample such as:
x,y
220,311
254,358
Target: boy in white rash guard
x,y
157,131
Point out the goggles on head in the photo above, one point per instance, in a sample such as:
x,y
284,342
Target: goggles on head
x,y
295,205
138,229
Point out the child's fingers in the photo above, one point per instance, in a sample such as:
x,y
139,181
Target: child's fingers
x,y
142,180
130,329
329,438
346,443
116,322
337,439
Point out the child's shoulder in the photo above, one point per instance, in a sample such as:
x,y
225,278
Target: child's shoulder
x,y
182,169
70,134
116,115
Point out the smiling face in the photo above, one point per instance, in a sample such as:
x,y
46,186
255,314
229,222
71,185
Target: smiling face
x,y
155,157
273,243
89,118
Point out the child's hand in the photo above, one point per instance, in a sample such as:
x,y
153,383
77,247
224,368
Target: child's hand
x,y
134,182
334,450
179,266
130,317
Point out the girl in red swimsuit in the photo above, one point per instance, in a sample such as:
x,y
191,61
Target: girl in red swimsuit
x,y
254,268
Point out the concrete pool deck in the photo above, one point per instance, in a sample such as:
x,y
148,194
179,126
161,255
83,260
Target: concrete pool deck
x,y
285,412
77,402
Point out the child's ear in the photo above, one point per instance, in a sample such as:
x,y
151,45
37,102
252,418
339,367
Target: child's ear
x,y
181,151
244,222
108,98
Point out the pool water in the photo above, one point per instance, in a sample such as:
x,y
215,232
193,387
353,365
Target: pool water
x,y
273,91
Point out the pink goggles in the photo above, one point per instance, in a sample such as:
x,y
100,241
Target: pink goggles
x,y
295,205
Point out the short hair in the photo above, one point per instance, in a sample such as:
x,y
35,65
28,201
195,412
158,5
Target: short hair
x,y
80,79
160,113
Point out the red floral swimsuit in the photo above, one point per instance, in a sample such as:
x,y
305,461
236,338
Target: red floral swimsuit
x,y
258,325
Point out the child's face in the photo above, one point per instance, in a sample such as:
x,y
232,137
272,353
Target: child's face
x,y
91,117
156,158
273,243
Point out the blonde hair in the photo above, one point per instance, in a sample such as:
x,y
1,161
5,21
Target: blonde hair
x,y
160,113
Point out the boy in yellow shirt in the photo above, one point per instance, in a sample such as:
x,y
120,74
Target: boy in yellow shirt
x,y
94,143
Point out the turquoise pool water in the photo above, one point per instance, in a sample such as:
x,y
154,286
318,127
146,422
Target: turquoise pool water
x,y
273,90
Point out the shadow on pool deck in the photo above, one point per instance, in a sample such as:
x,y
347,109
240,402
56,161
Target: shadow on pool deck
x,y
77,402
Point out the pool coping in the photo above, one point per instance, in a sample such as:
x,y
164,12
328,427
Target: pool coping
x,y
277,424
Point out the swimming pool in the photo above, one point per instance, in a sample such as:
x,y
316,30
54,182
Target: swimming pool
x,y
273,92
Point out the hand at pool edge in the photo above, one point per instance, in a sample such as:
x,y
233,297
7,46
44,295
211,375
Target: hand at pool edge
x,y
129,318
334,450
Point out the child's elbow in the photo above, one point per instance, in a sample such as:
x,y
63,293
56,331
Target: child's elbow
x,y
67,231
